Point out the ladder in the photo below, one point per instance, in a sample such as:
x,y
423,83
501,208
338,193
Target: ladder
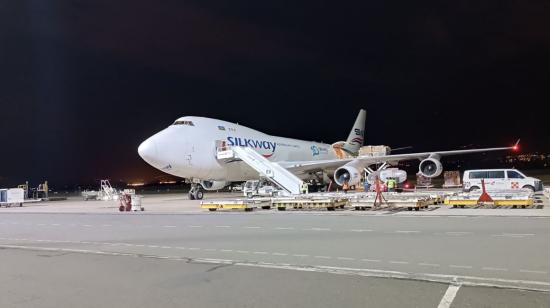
x,y
270,170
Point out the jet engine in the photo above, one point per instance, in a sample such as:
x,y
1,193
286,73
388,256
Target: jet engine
x,y
214,185
395,173
430,167
383,175
348,173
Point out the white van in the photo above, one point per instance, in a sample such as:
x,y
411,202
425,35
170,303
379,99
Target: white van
x,y
499,179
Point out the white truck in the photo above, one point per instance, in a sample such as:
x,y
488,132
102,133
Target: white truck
x,y
12,196
499,179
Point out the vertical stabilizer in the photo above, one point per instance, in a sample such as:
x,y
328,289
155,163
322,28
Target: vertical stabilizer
x,y
357,135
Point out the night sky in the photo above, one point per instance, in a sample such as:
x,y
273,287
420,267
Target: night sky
x,y
82,83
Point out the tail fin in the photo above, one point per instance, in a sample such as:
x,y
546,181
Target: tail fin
x,y
357,135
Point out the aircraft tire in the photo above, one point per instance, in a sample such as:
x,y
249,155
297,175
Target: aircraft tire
x,y
198,195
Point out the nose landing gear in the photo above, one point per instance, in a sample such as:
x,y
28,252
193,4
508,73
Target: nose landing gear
x,y
195,193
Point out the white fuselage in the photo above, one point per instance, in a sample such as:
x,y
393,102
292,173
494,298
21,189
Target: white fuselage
x,y
188,149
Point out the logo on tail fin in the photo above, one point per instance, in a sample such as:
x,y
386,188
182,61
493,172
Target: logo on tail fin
x,y
356,136
359,139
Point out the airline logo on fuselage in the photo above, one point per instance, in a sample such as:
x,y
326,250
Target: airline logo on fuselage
x,y
253,143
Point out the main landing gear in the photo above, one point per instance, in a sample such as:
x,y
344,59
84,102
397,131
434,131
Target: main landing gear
x,y
195,193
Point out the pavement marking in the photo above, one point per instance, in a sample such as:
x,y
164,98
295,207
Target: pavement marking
x,y
316,229
370,260
469,280
165,247
460,266
226,250
284,228
345,258
449,296
514,235
500,269
88,226
195,226
361,230
193,248
429,264
407,231
223,226
532,272
457,233
168,226
209,249
152,246
180,248
55,225
253,227
242,251
399,262
323,257
279,254
260,253
300,256
518,234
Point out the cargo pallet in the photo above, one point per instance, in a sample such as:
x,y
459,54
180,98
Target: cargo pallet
x,y
409,200
393,204
330,204
513,203
512,198
247,205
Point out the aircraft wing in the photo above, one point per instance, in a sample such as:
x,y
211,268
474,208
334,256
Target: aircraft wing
x,y
332,164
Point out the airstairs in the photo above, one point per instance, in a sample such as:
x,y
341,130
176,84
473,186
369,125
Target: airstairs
x,y
270,170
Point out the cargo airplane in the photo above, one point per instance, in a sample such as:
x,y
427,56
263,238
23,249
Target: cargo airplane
x,y
188,149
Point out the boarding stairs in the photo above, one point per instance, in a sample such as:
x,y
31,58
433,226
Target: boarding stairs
x,y
107,191
270,170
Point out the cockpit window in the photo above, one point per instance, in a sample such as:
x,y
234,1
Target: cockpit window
x,y
184,122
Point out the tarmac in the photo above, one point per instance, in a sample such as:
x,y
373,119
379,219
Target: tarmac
x,y
175,254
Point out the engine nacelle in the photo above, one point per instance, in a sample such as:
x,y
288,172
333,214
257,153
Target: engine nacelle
x,y
214,185
431,167
399,175
347,173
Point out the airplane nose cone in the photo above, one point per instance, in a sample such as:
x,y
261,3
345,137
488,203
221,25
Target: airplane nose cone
x,y
148,151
